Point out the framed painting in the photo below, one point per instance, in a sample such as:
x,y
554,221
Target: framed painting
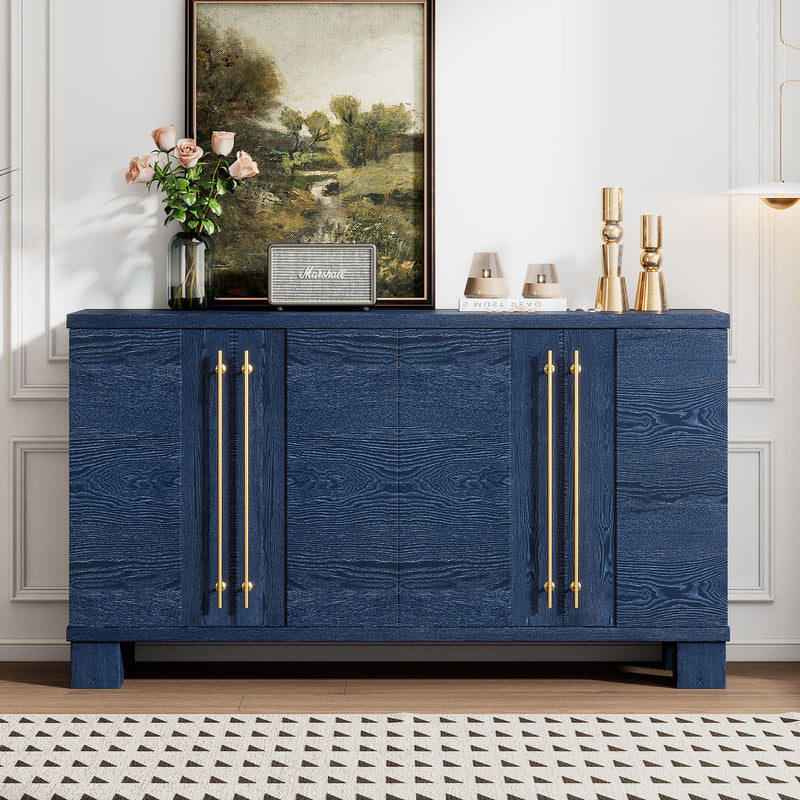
x,y
334,102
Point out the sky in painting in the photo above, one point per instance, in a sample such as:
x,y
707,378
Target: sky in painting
x,y
374,51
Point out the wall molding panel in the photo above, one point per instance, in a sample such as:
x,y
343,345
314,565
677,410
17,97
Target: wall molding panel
x,y
752,159
38,370
761,477
54,354
21,491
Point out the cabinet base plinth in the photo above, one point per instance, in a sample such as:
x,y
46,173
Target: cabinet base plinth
x,y
96,665
699,665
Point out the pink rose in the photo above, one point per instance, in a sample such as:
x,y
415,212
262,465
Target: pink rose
x,y
165,137
243,167
222,142
140,170
188,152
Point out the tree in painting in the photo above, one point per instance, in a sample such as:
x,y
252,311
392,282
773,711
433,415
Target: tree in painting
x,y
234,83
333,168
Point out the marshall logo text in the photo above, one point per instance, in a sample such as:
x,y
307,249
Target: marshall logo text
x,y
311,273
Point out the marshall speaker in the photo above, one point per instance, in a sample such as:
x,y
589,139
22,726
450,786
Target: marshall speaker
x,y
322,274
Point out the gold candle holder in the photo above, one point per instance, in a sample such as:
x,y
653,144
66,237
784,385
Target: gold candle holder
x,y
612,295
651,293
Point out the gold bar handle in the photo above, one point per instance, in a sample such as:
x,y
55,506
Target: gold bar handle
x,y
247,586
575,369
221,585
549,587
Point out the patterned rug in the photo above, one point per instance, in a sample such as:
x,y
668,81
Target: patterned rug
x,y
400,757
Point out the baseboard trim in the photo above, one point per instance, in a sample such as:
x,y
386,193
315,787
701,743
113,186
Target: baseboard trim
x,y
34,650
764,650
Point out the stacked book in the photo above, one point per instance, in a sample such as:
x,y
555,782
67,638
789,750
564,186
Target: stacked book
x,y
524,304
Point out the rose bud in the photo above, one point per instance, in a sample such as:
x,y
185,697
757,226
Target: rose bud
x,y
243,167
139,170
222,142
165,137
188,152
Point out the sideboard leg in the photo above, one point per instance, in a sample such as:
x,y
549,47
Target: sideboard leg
x,y
96,665
700,665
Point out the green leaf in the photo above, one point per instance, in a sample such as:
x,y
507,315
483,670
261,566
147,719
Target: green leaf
x,y
215,207
189,199
209,226
180,215
193,223
182,184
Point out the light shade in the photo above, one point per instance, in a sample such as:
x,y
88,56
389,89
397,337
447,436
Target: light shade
x,y
776,194
486,277
541,280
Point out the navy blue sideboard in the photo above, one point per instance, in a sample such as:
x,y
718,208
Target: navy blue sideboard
x,y
398,476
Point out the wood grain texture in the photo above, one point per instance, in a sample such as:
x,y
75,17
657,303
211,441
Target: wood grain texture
x,y
530,488
42,688
341,480
96,665
267,411
596,477
266,484
455,478
671,587
672,477
654,633
414,480
125,478
200,489
392,319
700,665
595,483
602,688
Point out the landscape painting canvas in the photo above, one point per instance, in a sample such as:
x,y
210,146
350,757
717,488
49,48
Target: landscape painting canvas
x,y
333,101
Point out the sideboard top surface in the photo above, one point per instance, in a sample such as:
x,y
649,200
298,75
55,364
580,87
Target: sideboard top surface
x,y
391,318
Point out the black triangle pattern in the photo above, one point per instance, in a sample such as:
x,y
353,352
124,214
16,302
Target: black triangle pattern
x,y
399,757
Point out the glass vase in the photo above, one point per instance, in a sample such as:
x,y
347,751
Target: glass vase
x,y
189,264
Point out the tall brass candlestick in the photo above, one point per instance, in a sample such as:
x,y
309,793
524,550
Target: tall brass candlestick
x,y
651,293
611,292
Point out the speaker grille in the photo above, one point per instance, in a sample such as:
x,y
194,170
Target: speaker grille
x,y
322,274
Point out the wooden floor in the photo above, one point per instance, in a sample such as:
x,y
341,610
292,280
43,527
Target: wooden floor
x,y
374,688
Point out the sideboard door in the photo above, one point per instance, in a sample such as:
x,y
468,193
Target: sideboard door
x,y
455,478
126,504
208,432
589,515
559,509
227,483
538,497
259,494
672,478
341,484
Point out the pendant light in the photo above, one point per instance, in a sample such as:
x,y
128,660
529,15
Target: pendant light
x,y
776,194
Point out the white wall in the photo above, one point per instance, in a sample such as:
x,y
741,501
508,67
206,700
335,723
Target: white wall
x,y
539,104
